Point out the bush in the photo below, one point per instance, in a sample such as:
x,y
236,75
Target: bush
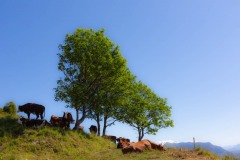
x,y
10,108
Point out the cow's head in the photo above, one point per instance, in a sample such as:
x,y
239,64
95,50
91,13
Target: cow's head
x,y
68,116
160,147
122,142
121,139
21,120
20,108
125,144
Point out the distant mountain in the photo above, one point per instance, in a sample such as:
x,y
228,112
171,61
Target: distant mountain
x,y
204,145
235,149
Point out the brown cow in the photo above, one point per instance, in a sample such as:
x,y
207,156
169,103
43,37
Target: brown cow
x,y
56,121
156,146
125,144
122,140
93,129
80,128
32,108
33,123
137,147
141,146
63,122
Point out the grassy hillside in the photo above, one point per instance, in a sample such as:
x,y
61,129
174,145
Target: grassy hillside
x,y
17,142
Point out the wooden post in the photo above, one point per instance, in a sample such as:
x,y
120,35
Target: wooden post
x,y
194,145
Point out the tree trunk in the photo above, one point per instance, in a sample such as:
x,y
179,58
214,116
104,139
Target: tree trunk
x,y
79,121
104,125
140,133
98,124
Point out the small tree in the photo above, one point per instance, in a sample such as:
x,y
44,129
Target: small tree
x,y
10,108
146,112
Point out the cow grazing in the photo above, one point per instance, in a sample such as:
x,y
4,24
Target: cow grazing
x,y
111,138
32,108
63,122
141,146
93,129
122,141
33,123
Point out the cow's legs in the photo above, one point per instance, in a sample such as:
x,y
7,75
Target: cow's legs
x,y
28,115
41,116
37,116
68,125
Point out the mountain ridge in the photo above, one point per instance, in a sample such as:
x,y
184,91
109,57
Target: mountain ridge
x,y
204,145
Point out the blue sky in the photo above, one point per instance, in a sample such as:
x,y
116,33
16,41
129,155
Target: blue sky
x,y
186,51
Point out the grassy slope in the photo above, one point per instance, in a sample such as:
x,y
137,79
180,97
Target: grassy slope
x,y
20,143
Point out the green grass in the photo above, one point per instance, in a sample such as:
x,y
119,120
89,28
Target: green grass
x,y
19,143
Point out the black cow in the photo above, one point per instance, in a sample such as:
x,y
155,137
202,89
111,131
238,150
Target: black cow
x,y
33,123
32,108
93,129
63,122
111,138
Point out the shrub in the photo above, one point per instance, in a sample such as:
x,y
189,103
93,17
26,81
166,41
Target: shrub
x,y
10,108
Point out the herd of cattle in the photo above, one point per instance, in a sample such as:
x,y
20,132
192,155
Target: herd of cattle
x,y
39,110
67,119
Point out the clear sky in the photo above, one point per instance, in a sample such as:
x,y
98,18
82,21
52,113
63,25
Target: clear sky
x,y
187,51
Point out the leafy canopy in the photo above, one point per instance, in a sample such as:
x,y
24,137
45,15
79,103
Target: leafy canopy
x,y
146,112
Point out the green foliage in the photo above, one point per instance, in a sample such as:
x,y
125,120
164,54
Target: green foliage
x,y
10,108
97,82
145,111
9,126
95,74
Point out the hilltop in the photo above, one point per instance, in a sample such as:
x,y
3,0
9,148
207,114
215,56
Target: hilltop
x,y
17,142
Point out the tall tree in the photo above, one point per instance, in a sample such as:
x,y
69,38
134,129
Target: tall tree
x,y
146,112
114,97
91,66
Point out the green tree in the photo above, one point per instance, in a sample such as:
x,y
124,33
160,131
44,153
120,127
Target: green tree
x,y
146,112
92,68
114,97
10,108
